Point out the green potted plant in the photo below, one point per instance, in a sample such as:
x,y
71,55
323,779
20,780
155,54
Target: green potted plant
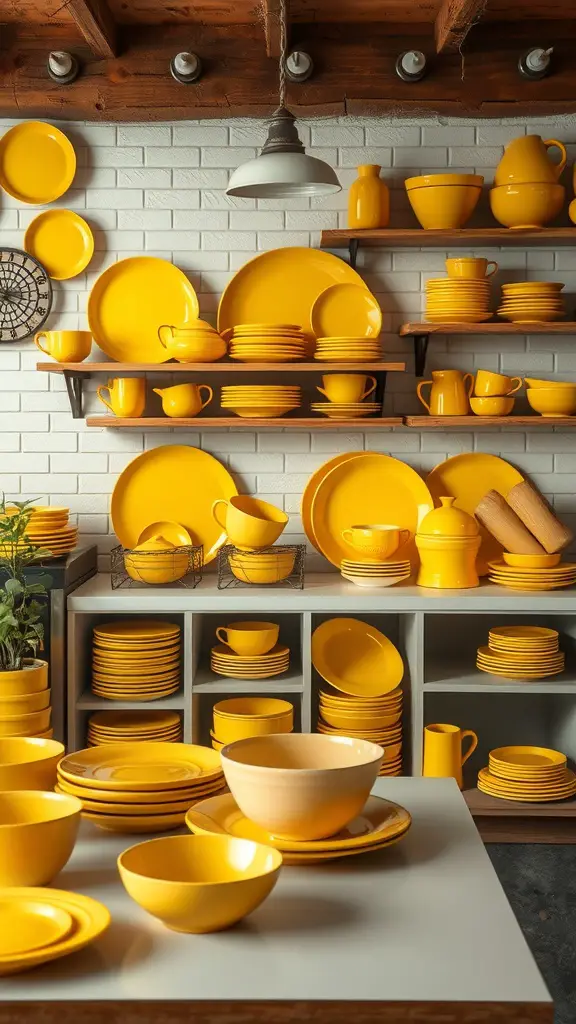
x,y
21,628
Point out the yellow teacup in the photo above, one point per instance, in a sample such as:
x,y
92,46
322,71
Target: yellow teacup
x,y
377,542
500,405
346,387
470,268
249,638
184,399
250,523
65,346
489,384
127,396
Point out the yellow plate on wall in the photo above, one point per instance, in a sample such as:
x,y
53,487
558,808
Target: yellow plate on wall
x,y
62,242
37,162
356,658
346,307
131,300
141,766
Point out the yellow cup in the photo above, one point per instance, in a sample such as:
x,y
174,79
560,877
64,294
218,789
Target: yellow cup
x,y
346,387
377,542
249,523
493,406
65,346
184,399
470,268
127,396
443,756
489,384
249,638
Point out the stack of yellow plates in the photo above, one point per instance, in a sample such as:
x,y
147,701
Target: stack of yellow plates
x,y
526,578
140,787
348,350
267,343
134,726
49,529
375,574
136,659
528,774
261,400
239,718
346,410
257,666
38,925
521,652
532,301
457,300
380,824
378,719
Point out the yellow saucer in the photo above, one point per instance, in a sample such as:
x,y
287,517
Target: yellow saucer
x,y
137,824
155,801
27,925
143,766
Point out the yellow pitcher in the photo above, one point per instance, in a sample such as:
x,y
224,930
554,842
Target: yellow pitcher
x,y
443,758
127,396
526,160
448,396
184,400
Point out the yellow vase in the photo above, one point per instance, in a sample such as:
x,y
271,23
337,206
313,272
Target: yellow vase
x,y
368,199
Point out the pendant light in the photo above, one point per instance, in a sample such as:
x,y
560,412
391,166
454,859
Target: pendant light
x,y
283,168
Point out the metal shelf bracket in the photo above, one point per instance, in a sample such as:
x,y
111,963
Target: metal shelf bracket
x,y
420,352
353,252
74,388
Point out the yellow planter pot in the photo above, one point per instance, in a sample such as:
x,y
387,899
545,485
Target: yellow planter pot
x,y
30,679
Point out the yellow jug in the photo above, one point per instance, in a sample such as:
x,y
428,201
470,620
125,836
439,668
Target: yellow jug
x,y
184,400
127,396
448,396
526,160
443,751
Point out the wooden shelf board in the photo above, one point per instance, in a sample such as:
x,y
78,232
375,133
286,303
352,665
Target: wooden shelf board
x,y
480,804
397,238
86,369
204,422
562,327
477,422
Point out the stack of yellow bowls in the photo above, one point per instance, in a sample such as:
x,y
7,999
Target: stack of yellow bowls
x,y
532,302
242,717
457,300
551,398
194,342
25,702
140,787
50,530
348,350
377,719
136,659
267,343
134,726
528,774
521,652
261,401
448,540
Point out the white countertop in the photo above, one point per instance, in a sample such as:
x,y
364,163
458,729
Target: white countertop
x,y
426,920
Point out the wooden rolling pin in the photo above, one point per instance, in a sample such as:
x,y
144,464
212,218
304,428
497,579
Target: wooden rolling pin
x,y
538,517
502,522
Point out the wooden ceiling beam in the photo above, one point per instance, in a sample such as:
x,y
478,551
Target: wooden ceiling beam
x,y
96,24
454,21
271,12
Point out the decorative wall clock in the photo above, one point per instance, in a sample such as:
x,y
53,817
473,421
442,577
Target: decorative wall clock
x,y
25,295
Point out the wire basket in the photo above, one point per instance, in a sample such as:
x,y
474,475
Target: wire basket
x,y
281,565
178,566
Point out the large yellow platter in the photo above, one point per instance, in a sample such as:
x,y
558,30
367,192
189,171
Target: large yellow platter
x,y
282,285
131,300
356,658
172,482
141,766
37,162
362,487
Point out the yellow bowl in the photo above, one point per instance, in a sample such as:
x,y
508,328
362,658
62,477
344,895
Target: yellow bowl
x,y
201,883
427,180
28,763
536,384
25,725
527,205
443,204
37,835
242,717
156,569
492,406
301,786
24,704
271,569
357,721
253,707
30,679
552,401
531,561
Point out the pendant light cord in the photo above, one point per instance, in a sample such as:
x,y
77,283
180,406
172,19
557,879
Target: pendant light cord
x,y
282,62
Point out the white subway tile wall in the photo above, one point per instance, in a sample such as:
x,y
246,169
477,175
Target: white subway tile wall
x,y
159,190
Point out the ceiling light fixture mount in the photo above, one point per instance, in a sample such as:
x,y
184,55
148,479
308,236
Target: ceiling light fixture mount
x,y
186,68
299,66
63,67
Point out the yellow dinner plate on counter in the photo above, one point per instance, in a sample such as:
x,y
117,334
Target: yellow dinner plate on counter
x,y
131,300
27,924
157,799
141,766
37,162
346,307
282,284
89,920
356,658
62,241
174,482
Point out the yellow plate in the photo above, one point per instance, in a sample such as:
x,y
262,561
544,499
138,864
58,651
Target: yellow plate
x,y
362,487
242,659
130,301
526,318
138,825
282,284
532,787
135,697
356,658
135,810
62,242
348,307
525,799
565,569
139,630
174,482
525,635
528,756
515,585
144,672
136,720
156,799
463,318
237,674
143,766
37,162
505,673
27,924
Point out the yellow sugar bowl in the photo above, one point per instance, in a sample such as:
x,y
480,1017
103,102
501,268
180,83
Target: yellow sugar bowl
x,y
184,400
448,540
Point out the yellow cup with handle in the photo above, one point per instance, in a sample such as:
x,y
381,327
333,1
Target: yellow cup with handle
x,y
127,396
347,387
443,757
249,639
470,268
64,346
184,400
489,384
249,523
377,542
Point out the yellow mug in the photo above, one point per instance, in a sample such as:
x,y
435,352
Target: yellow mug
x,y
127,396
470,268
377,542
249,639
346,387
184,399
65,346
250,523
443,758
489,384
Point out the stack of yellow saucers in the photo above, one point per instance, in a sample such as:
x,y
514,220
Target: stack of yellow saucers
x,y
260,401
375,574
346,410
528,774
225,662
378,719
521,652
268,343
457,300
49,529
526,578
134,726
242,717
140,787
348,350
532,301
136,659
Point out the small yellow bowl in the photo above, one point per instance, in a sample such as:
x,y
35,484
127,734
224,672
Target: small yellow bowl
x,y
156,569
199,884
263,570
492,406
242,717
536,384
552,401
25,725
37,835
531,561
253,707
27,762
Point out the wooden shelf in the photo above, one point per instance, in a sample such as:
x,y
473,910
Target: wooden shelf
x,y
482,804
397,238
511,821
562,327
477,422
206,422
121,369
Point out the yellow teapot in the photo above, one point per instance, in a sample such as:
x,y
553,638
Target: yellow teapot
x,y
184,400
526,160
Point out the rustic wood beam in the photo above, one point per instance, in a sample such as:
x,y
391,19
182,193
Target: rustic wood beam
x,y
95,21
271,12
454,20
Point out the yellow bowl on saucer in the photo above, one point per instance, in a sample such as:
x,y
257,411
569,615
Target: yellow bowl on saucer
x,y
444,200
552,401
250,638
527,205
199,883
531,561
492,406
37,835
375,541
27,762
